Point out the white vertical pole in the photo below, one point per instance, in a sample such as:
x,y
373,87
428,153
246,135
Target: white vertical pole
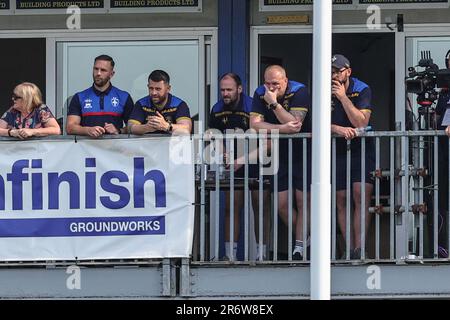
x,y
321,154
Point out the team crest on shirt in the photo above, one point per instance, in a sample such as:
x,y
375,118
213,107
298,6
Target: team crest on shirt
x,y
87,104
115,101
225,120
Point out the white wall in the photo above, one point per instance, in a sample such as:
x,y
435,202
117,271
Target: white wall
x,y
134,62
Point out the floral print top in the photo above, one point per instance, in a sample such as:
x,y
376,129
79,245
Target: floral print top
x,y
35,119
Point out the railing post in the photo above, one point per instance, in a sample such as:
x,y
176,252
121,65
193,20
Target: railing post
x,y
185,281
401,184
417,188
168,278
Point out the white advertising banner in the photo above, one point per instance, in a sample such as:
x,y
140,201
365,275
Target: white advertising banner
x,y
96,199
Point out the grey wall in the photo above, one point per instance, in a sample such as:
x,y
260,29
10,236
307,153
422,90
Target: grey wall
x,y
207,18
344,17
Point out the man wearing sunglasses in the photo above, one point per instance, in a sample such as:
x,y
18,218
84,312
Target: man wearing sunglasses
x,y
102,108
351,109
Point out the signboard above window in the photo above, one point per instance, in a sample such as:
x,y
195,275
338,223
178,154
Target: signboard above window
x,y
139,6
5,7
301,5
99,6
4,4
307,5
405,4
57,6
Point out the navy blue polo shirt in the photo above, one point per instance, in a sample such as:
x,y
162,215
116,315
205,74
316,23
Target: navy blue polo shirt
x,y
96,108
296,98
225,117
360,95
174,111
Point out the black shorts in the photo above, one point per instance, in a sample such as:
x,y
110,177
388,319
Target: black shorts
x,y
355,169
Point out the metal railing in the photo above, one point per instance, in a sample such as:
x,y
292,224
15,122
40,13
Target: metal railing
x,y
406,218
409,206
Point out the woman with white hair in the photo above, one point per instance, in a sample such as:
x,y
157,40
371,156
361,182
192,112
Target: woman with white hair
x,y
28,116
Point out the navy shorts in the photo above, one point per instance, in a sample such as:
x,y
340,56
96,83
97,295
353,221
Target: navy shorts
x,y
253,171
297,166
355,169
297,174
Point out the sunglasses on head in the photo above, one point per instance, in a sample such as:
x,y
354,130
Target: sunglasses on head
x,y
15,97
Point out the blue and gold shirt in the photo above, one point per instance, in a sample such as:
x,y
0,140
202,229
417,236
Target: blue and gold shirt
x,y
296,98
360,95
225,117
174,111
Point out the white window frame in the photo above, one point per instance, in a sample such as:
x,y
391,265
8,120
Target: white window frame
x,y
6,11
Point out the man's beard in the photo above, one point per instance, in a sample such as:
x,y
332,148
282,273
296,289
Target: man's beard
x,y
231,102
345,81
101,82
158,100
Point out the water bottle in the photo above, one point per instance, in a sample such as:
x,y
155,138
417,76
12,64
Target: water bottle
x,y
198,167
221,171
362,130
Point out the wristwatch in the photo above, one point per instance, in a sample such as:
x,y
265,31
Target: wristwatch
x,y
170,127
273,106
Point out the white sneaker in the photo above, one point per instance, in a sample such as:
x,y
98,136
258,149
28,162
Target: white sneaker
x,y
298,253
263,250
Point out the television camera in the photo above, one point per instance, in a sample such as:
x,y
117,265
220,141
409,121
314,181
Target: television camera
x,y
425,83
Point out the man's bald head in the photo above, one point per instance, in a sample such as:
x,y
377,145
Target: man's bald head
x,y
275,79
276,69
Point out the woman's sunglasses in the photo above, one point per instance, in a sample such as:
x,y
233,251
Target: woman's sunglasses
x,y
15,97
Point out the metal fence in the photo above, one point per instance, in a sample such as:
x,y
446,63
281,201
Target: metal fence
x,y
408,209
405,218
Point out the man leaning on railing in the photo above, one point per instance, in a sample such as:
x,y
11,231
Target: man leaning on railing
x,y
282,105
351,110
160,111
230,115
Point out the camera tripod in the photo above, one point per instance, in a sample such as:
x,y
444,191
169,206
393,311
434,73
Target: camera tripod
x,y
426,188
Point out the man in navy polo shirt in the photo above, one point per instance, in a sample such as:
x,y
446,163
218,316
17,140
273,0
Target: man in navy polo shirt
x,y
160,111
102,108
351,109
232,112
282,105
